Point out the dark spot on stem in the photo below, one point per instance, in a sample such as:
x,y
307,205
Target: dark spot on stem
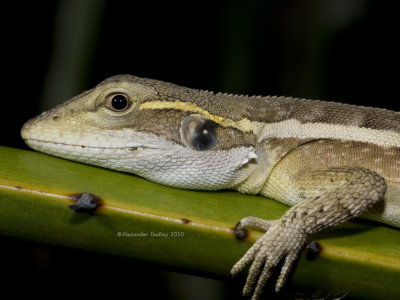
x,y
313,248
85,203
240,233
185,221
18,187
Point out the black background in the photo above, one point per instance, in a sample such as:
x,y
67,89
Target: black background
x,y
344,51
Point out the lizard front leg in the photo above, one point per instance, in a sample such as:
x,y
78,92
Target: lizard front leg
x,y
331,196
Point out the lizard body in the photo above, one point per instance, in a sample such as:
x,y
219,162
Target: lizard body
x,y
329,161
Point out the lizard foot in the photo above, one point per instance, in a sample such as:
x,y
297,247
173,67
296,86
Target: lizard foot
x,y
280,242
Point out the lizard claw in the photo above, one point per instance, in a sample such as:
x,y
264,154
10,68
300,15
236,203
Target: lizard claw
x,y
280,242
253,222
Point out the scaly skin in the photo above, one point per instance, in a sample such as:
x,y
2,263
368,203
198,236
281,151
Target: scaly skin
x,y
331,162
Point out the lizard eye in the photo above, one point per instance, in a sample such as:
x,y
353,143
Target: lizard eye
x,y
118,102
198,133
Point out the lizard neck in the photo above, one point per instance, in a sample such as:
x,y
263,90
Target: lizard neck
x,y
254,178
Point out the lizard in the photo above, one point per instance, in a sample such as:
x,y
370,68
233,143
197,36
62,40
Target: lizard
x,y
331,162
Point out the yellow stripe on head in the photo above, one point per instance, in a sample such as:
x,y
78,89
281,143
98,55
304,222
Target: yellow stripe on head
x,y
243,125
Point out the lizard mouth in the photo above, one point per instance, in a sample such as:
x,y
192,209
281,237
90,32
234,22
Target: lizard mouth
x,y
59,145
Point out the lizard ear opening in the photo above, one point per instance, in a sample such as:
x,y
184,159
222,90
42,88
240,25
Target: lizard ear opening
x,y
198,134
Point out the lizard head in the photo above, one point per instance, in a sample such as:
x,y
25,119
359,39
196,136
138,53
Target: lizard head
x,y
166,133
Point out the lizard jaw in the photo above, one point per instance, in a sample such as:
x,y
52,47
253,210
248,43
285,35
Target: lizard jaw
x,y
179,167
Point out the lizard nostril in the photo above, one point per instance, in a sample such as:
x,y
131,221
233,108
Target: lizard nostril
x,y
56,117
